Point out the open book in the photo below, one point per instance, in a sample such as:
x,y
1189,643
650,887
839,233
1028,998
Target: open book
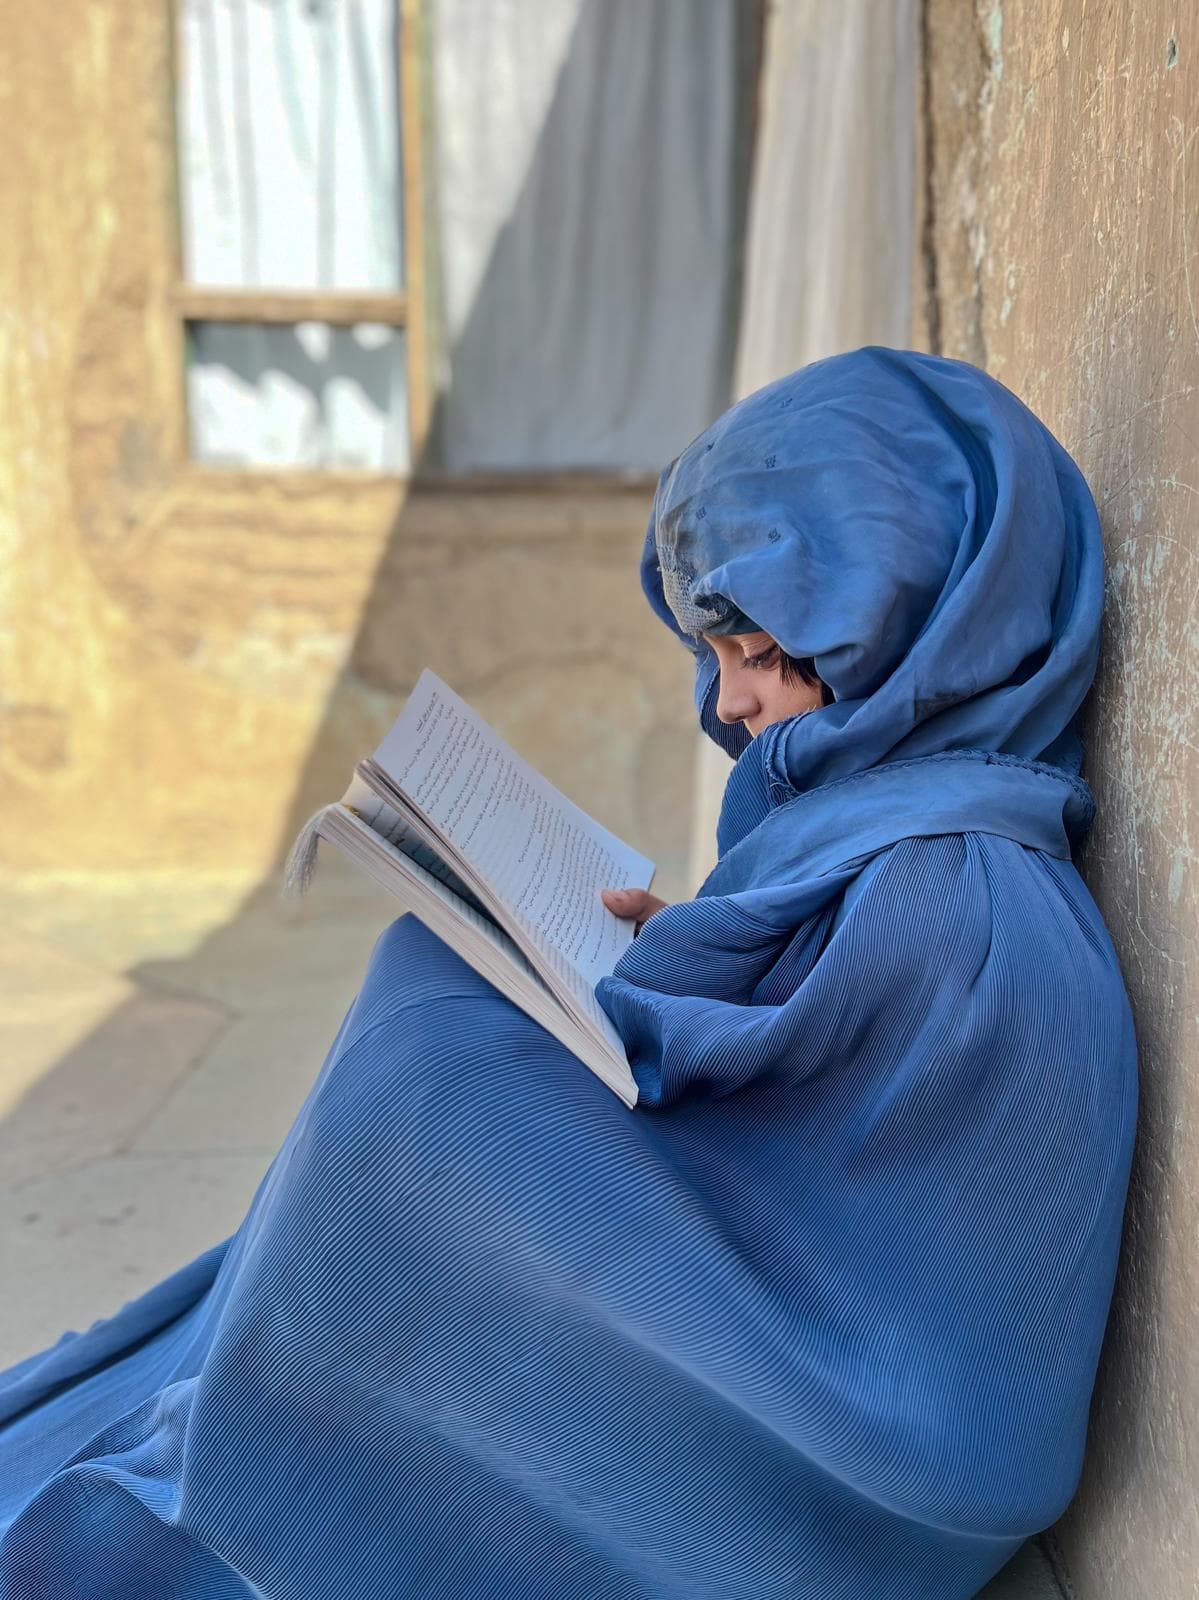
x,y
495,861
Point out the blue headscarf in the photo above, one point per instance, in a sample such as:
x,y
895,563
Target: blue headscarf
x,y
907,522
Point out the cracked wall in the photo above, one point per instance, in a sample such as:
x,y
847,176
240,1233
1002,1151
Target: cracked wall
x,y
1061,251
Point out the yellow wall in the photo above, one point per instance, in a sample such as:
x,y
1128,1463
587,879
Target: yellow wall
x,y
1062,252
189,658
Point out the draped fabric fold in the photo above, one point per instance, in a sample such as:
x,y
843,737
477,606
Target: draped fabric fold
x,y
821,1317
588,160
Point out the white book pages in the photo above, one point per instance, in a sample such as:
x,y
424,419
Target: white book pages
x,y
477,939
565,982
539,853
397,830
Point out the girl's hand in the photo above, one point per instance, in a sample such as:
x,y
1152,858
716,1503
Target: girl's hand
x,y
632,905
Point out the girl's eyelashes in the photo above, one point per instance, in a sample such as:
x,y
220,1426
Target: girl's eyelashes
x,y
764,658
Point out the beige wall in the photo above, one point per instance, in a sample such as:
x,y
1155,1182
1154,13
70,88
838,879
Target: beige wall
x,y
1062,251
182,651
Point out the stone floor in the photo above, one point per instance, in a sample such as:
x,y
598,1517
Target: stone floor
x,y
156,1039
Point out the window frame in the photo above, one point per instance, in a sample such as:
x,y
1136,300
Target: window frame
x,y
406,309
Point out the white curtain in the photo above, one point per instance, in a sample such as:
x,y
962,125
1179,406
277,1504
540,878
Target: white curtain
x,y
832,215
304,395
289,144
829,251
585,174
289,164
585,161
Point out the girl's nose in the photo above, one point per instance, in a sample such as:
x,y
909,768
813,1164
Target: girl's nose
x,y
737,698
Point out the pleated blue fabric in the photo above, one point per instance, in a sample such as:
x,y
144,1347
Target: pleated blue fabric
x,y
821,1317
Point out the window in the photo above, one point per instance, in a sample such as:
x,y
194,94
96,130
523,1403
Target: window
x,y
302,232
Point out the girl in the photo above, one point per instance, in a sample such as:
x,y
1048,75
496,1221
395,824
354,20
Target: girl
x,y
819,1319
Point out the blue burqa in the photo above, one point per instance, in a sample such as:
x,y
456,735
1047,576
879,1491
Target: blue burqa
x,y
820,1318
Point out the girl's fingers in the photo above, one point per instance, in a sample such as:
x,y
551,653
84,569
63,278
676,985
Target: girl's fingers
x,y
624,902
632,904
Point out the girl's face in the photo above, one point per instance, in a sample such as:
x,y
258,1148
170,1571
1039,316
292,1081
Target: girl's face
x,y
752,687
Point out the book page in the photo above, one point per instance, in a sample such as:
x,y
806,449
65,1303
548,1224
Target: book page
x,y
537,851
439,884
484,946
390,825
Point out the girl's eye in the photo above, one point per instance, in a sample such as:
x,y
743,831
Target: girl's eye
x,y
764,659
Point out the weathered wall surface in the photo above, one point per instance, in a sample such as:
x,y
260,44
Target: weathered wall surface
x,y
178,649
1062,252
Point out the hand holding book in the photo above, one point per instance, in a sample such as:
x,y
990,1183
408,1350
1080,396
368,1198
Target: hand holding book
x,y
498,863
633,905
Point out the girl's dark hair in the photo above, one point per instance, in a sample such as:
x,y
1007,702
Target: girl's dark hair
x,y
803,670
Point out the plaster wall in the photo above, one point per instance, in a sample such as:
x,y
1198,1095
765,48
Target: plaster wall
x,y
188,658
1061,251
